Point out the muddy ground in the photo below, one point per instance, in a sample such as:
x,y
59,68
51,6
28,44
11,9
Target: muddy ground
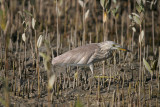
x,y
115,82
122,89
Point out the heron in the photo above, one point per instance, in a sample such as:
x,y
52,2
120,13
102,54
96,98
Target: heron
x,y
87,55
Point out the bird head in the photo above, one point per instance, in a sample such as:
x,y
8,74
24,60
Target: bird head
x,y
114,46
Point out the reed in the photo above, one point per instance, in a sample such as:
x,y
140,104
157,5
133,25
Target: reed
x,y
33,32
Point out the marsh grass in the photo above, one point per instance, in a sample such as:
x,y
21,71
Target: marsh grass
x,y
123,80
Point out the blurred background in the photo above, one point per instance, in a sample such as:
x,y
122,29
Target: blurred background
x,y
72,23
53,27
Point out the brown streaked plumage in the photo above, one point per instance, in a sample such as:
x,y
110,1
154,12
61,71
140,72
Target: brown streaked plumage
x,y
87,55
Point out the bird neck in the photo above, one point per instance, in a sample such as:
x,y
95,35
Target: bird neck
x,y
104,47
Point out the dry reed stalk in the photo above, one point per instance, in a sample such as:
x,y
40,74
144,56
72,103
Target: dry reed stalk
x,y
113,99
110,80
123,80
25,57
1,51
132,39
90,38
6,56
12,88
84,30
159,71
38,71
76,24
116,30
28,89
104,21
140,69
37,63
153,38
128,21
33,55
103,72
118,94
13,68
19,67
6,93
98,92
31,88
58,35
122,28
19,87
15,83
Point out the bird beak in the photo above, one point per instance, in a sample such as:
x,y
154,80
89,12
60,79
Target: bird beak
x,y
118,47
123,49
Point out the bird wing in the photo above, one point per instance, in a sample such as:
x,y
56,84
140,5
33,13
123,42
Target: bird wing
x,y
99,55
80,55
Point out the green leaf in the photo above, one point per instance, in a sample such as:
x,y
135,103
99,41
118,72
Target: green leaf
x,y
102,3
147,66
108,11
136,18
3,19
46,61
154,64
33,23
144,1
141,36
51,81
138,8
81,3
134,14
139,2
43,55
151,5
134,29
28,13
86,14
115,1
24,37
114,12
39,41
117,15
22,16
106,5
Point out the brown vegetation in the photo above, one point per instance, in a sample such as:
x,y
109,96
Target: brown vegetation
x,y
126,79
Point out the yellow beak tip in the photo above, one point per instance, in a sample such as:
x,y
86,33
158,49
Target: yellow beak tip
x,y
122,49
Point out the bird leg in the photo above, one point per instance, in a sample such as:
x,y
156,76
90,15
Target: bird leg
x,y
91,67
